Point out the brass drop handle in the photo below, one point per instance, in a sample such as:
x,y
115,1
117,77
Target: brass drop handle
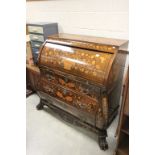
x,y
50,77
83,106
47,89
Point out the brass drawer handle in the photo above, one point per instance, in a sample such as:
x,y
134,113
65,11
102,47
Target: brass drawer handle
x,y
47,89
49,77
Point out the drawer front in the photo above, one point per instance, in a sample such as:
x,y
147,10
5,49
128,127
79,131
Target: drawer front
x,y
91,91
81,102
36,44
36,37
82,115
35,29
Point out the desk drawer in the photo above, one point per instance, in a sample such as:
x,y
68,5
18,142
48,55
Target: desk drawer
x,y
89,90
36,37
35,29
81,102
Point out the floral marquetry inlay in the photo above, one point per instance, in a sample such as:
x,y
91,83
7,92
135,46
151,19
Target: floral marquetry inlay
x,y
85,63
81,79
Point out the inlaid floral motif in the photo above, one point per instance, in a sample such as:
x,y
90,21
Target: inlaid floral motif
x,y
89,64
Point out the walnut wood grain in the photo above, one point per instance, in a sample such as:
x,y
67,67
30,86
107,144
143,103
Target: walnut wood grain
x,y
91,39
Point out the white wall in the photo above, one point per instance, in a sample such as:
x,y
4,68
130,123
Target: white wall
x,y
106,18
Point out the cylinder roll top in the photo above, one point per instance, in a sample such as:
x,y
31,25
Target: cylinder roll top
x,y
88,64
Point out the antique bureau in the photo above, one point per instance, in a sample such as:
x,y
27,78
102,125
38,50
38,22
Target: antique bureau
x,y
38,33
81,80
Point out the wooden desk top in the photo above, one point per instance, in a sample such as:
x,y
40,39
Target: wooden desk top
x,y
92,39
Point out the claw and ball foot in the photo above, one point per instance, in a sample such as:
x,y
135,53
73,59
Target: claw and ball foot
x,y
40,106
102,140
